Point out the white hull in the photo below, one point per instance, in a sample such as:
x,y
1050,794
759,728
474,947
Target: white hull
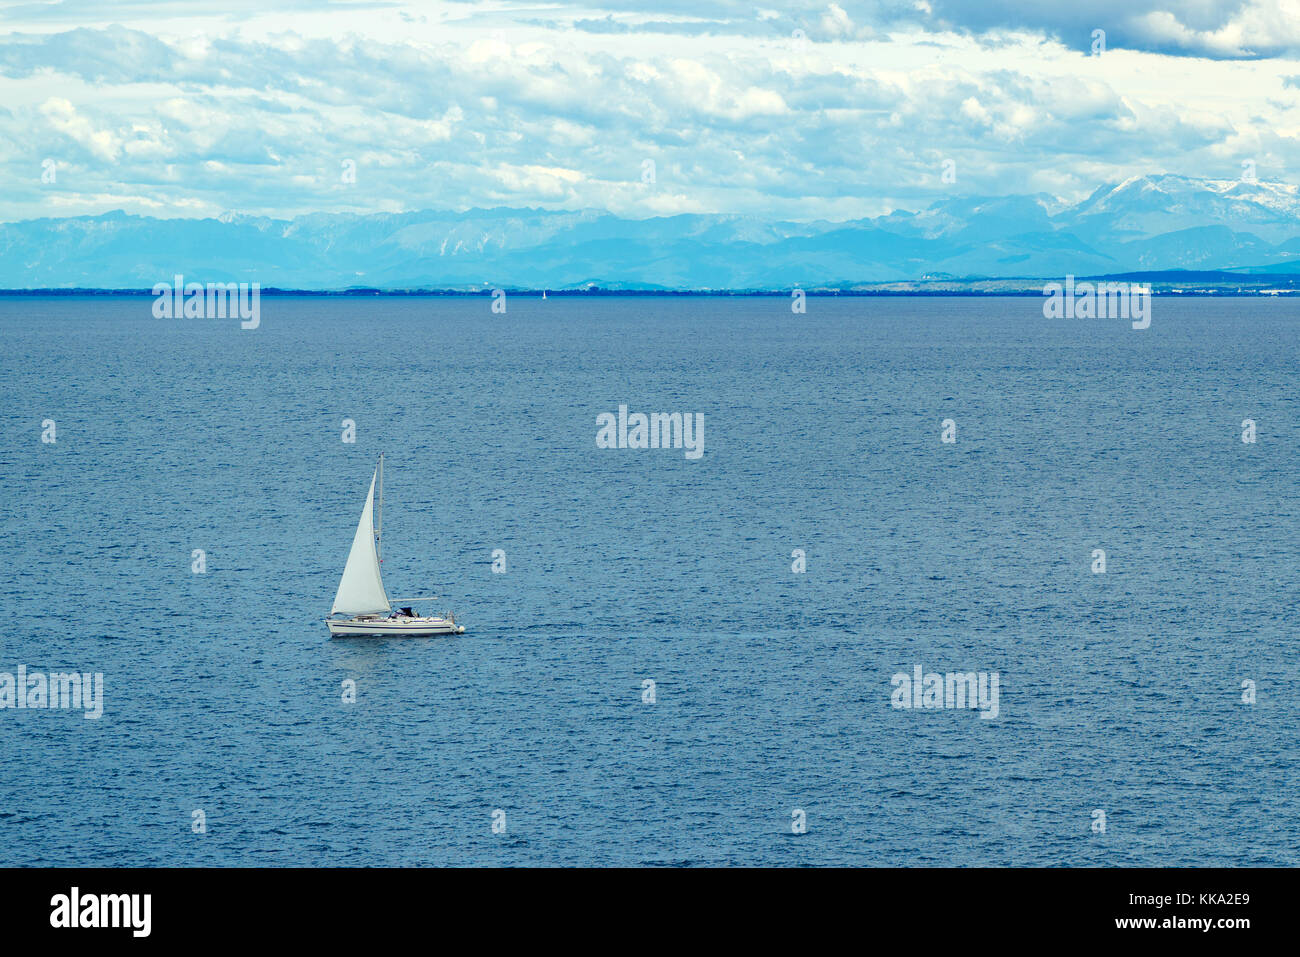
x,y
393,627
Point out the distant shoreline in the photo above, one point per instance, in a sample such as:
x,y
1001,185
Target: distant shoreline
x,y
1172,282
1242,287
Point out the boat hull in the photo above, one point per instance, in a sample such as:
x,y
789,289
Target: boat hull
x,y
392,627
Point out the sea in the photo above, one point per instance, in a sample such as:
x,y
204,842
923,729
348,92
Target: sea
x,y
667,660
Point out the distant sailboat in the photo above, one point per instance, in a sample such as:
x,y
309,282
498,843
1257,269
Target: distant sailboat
x,y
361,597
543,293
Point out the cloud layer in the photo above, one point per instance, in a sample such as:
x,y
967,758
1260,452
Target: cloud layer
x,y
817,111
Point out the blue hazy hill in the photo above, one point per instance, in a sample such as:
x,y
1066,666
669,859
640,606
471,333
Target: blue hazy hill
x,y
1158,222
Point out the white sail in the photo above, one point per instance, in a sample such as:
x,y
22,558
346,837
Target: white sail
x,y
361,590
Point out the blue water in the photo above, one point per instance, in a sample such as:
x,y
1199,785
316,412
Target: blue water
x,y
1119,691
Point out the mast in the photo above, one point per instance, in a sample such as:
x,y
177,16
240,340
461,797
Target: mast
x,y
379,530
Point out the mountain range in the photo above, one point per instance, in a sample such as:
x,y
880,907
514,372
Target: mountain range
x,y
1146,223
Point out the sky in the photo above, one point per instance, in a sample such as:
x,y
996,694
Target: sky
x,y
803,111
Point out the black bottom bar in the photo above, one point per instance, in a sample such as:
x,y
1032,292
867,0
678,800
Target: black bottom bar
x,y
338,907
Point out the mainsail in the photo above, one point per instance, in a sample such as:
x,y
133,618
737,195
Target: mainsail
x,y
361,590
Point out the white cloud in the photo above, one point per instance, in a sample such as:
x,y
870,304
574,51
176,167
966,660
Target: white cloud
x,y
199,113
63,117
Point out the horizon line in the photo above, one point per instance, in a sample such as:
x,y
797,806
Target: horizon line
x,y
1200,282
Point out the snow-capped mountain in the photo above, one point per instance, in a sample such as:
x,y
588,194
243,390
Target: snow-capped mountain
x,y
1156,222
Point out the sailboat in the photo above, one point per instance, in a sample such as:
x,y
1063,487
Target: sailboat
x,y
362,601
